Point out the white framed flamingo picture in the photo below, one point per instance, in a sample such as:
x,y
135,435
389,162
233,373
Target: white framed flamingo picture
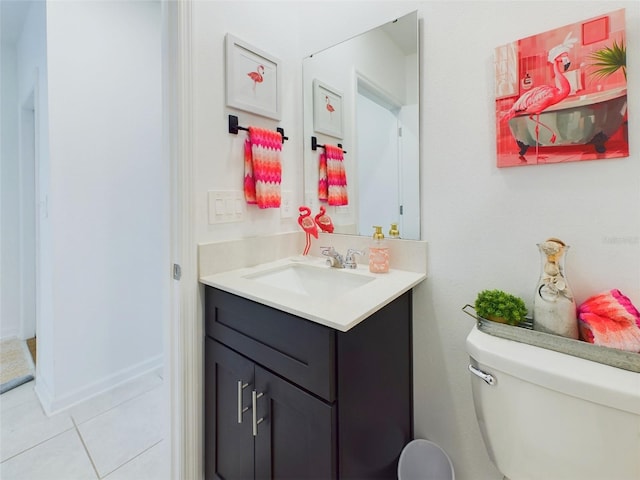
x,y
253,81
561,95
327,109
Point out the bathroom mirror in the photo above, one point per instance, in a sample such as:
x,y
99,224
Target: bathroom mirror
x,y
363,93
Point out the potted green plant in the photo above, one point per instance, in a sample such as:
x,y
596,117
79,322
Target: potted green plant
x,y
609,60
500,306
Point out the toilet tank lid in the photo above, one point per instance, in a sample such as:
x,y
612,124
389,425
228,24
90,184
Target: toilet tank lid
x,y
591,381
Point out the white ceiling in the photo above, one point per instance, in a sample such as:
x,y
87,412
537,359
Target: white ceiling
x,y
13,14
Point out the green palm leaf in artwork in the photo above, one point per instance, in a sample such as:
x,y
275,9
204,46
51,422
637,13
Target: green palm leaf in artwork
x,y
609,60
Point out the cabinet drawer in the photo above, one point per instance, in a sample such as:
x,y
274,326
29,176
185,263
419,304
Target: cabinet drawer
x,y
294,348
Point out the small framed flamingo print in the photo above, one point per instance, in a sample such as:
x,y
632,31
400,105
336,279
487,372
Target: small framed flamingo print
x,y
327,109
253,79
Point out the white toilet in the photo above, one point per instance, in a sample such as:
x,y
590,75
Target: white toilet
x,y
547,415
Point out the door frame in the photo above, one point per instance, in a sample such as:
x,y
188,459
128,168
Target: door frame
x,y
183,334
29,200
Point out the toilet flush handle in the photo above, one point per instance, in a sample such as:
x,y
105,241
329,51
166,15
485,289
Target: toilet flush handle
x,y
484,376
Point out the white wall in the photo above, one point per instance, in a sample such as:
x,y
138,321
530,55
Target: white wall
x,y
108,199
24,73
9,195
481,223
32,79
220,154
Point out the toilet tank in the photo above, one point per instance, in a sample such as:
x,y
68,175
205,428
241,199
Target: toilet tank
x,y
552,416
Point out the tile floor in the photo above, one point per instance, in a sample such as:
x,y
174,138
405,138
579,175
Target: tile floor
x,y
114,436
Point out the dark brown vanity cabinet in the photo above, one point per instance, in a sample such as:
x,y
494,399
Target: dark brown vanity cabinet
x,y
286,398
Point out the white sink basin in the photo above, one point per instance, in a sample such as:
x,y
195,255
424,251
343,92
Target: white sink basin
x,y
306,287
320,282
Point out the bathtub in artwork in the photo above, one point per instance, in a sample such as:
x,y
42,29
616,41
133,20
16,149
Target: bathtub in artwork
x,y
579,120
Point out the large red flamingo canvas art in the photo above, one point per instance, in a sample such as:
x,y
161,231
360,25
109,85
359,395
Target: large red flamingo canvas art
x,y
561,95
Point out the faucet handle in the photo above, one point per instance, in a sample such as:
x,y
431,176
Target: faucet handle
x,y
327,251
349,260
335,259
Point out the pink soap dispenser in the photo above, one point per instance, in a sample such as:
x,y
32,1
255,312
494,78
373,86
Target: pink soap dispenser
x,y
378,253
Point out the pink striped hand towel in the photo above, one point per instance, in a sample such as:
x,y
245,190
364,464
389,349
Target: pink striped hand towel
x,y
336,176
323,192
262,168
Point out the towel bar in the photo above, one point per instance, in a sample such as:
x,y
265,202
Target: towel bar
x,y
315,145
234,127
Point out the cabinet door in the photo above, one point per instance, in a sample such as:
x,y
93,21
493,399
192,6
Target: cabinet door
x,y
296,438
228,443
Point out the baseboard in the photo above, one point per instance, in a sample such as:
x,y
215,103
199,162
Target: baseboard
x,y
8,334
43,392
53,405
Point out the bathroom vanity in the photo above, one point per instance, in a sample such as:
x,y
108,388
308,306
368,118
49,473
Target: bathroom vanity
x,y
308,368
286,397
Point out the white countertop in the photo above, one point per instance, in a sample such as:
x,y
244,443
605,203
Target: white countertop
x,y
341,311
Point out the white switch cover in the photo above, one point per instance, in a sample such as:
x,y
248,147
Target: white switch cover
x,y
226,206
312,202
286,205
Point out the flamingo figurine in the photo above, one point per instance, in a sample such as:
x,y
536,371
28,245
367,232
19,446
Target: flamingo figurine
x,y
329,106
538,99
308,225
257,76
324,221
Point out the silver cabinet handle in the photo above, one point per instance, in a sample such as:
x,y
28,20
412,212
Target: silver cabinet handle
x,y
483,375
254,402
241,386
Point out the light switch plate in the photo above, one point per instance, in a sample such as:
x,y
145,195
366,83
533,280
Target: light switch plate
x,y
226,206
286,204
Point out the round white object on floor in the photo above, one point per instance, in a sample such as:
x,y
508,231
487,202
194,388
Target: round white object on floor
x,y
424,460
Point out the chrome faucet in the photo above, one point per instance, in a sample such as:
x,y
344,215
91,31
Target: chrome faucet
x,y
350,261
336,260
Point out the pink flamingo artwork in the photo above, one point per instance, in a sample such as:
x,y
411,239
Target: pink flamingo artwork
x,y
324,221
305,220
329,106
257,76
538,99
